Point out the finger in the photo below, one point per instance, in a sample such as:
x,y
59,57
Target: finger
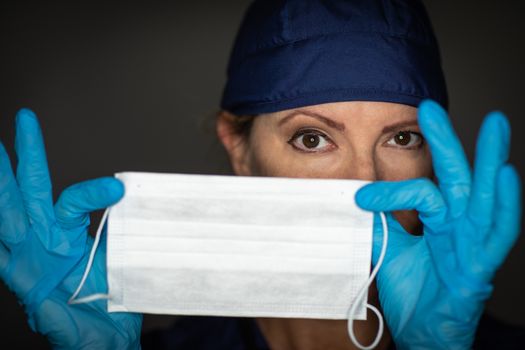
x,y
76,202
13,220
32,172
419,194
450,162
492,152
4,260
507,218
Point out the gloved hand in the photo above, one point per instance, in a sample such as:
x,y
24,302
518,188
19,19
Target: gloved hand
x,y
43,249
432,288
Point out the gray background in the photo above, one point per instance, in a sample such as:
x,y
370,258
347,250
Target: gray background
x,y
135,87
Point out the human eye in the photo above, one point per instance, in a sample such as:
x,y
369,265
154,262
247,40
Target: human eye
x,y
311,141
406,140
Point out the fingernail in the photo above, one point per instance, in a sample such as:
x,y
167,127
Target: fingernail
x,y
431,113
114,187
498,122
362,197
509,174
426,102
431,106
504,125
25,114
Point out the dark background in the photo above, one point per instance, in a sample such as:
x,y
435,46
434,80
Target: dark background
x,y
134,87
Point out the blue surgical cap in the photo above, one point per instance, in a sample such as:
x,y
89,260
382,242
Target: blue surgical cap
x,y
294,53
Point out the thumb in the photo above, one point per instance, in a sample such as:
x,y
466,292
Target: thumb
x,y
76,202
419,194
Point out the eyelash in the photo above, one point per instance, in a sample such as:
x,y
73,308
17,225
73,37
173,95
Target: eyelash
x,y
318,133
416,147
304,132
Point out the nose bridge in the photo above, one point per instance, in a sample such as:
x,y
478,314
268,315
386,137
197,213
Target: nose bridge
x,y
362,164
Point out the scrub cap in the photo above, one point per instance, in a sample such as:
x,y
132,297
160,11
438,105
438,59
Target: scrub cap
x,y
293,53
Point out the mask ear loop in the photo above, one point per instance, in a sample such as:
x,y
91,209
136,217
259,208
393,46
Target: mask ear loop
x,y
364,290
72,300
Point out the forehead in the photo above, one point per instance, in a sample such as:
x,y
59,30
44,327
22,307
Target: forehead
x,y
354,111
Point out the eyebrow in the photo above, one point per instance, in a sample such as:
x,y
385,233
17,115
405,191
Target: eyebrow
x,y
340,126
399,125
331,123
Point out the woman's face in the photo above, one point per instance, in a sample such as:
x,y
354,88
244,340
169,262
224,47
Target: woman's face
x,y
345,140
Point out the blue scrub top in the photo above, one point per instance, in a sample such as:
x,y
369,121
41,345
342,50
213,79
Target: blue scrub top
x,y
231,333
203,332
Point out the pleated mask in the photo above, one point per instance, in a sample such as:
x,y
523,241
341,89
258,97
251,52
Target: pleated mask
x,y
237,246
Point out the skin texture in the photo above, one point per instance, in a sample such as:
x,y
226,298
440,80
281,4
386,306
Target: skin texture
x,y
345,140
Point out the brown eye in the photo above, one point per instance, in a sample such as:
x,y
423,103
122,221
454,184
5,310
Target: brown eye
x,y
406,140
311,140
403,138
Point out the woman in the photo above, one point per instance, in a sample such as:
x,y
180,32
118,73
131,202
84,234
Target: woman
x,y
315,89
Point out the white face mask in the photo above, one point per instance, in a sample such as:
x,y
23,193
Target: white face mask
x,y
238,246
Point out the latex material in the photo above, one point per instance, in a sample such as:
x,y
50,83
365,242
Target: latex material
x,y
44,248
432,287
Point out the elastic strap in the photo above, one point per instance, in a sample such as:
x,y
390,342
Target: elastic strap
x,y
87,299
364,290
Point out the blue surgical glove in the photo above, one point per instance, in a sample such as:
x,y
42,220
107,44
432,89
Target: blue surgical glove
x,y
433,287
44,249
